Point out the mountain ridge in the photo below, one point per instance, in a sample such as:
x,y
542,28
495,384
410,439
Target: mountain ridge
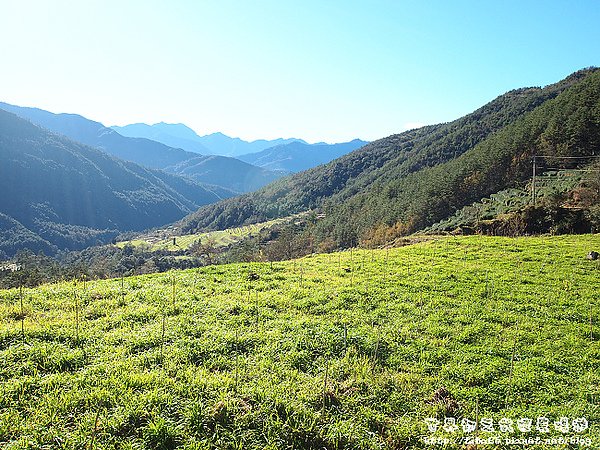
x,y
368,188
224,171
71,195
216,143
298,156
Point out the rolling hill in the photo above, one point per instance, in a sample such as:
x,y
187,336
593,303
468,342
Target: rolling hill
x,y
299,156
225,172
414,179
57,193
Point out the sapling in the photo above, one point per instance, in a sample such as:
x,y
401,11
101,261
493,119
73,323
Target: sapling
x,y
163,330
95,430
476,416
591,324
512,364
76,312
236,360
174,292
325,381
257,311
376,350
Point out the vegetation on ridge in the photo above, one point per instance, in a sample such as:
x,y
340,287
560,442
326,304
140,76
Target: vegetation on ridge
x,y
420,177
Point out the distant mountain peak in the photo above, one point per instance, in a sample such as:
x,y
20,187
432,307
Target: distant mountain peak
x,y
175,127
182,136
297,156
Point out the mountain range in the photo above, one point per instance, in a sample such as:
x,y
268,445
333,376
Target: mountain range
x,y
181,136
298,156
405,182
71,191
228,173
70,182
279,155
61,194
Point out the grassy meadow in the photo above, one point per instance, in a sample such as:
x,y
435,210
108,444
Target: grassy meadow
x,y
347,350
219,238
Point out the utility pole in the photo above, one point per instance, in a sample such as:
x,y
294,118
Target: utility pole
x,y
533,181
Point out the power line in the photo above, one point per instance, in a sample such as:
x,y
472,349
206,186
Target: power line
x,y
572,170
566,157
545,177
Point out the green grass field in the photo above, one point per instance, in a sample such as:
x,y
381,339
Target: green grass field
x,y
347,350
220,239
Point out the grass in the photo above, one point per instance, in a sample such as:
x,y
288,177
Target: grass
x,y
220,239
349,351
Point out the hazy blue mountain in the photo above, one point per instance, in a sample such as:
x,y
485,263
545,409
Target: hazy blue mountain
x,y
240,176
58,193
142,151
181,136
173,135
227,173
221,144
298,156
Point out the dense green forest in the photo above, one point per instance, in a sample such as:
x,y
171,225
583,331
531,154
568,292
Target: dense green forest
x,y
412,180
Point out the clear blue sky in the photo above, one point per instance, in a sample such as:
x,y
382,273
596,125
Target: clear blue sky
x,y
314,69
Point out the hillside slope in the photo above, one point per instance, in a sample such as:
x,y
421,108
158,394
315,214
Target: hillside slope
x,y
341,351
298,156
71,195
421,176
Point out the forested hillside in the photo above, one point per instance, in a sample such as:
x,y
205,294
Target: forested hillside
x,y
59,193
230,173
413,179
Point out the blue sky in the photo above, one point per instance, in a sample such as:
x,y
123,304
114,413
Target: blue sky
x,y
319,70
